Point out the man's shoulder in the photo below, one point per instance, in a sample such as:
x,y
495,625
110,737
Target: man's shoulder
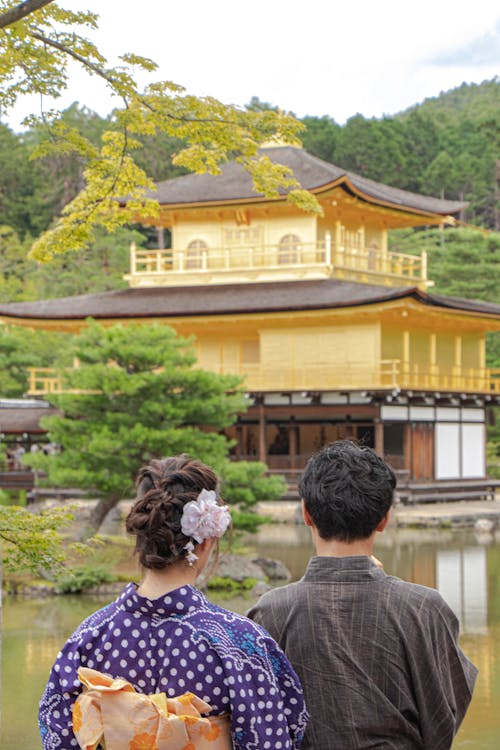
x,y
415,596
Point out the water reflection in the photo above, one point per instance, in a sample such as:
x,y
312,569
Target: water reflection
x,y
465,569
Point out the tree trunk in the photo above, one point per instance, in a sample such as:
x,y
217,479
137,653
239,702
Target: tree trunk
x,y
97,516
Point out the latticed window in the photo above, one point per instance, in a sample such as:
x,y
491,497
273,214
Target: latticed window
x,y
194,253
289,249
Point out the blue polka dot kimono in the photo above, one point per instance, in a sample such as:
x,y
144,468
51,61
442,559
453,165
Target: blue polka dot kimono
x,y
181,643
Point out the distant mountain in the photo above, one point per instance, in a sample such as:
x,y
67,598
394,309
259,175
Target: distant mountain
x,y
447,146
471,101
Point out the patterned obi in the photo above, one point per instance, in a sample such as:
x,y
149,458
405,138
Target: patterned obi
x,y
110,714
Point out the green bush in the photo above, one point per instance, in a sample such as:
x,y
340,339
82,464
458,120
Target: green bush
x,y
229,585
244,483
247,521
82,577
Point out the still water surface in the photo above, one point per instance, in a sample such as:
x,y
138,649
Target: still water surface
x,y
464,567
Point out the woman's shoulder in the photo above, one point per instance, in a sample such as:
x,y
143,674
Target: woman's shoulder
x,y
99,619
230,627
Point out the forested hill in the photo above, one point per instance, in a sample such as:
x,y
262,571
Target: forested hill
x,y
470,101
448,146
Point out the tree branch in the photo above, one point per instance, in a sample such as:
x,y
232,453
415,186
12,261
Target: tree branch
x,y
112,81
21,11
71,53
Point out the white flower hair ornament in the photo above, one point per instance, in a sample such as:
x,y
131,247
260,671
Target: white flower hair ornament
x,y
202,519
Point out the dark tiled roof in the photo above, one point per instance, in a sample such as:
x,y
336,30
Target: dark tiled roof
x,y
18,420
225,299
235,184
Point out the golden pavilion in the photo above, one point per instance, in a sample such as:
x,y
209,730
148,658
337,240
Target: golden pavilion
x,y
334,334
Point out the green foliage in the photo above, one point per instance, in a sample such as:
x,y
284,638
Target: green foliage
x,y
140,397
462,262
230,586
99,268
247,521
321,138
245,483
79,578
439,177
493,452
446,146
32,541
36,47
21,348
16,283
477,101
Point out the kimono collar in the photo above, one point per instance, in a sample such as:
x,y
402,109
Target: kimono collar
x,y
331,569
180,602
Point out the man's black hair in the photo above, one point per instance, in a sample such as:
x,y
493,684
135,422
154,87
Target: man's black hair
x,y
347,490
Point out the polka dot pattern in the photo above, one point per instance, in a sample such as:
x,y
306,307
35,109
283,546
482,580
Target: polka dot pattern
x,y
179,643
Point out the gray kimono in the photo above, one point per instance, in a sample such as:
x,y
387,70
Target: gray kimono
x,y
378,658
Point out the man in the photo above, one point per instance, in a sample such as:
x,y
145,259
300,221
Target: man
x,y
378,657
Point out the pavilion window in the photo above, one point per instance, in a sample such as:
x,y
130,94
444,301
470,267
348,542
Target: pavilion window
x,y
289,249
194,254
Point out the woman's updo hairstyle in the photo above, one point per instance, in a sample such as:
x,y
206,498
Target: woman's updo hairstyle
x,y
164,486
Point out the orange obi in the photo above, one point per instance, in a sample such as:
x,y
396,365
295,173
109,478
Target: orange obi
x,y
110,713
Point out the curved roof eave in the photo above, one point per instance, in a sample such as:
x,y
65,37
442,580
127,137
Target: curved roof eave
x,y
233,187
343,182
222,300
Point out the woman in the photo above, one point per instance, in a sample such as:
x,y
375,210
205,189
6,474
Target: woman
x,y
165,637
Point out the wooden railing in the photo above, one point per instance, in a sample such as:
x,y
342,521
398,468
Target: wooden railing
x,y
326,256
386,374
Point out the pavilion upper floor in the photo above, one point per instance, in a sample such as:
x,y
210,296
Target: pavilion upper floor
x,y
220,231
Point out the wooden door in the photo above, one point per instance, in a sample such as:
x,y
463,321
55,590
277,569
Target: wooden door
x,y
419,450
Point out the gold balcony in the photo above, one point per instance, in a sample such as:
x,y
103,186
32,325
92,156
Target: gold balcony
x,y
326,259
386,374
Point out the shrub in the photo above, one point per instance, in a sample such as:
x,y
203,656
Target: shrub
x,y
229,585
82,577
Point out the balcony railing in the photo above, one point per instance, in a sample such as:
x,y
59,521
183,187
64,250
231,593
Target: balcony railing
x,y
386,374
325,258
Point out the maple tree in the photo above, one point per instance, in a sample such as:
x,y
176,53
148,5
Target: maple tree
x,y
38,39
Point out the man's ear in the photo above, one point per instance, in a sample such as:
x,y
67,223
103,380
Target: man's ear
x,y
383,523
305,515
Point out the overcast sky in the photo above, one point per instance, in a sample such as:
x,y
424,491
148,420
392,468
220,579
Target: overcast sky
x,y
311,57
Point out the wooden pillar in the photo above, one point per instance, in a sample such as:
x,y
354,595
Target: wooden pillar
x,y
406,359
482,352
483,380
239,440
262,434
379,437
133,260
292,443
328,248
408,449
160,234
433,368
339,250
457,361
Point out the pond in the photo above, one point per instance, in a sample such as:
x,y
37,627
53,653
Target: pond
x,y
462,565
